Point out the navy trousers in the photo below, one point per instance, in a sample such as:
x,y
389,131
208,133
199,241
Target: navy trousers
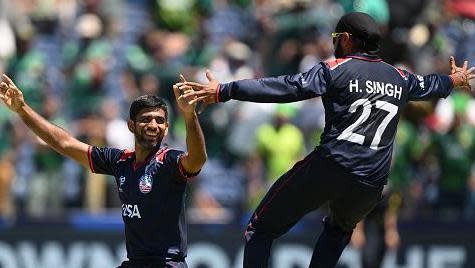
x,y
308,185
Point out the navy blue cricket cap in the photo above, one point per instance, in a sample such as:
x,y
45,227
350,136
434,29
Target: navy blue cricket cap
x,y
360,25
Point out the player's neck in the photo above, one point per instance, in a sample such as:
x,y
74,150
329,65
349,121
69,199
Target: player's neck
x,y
141,153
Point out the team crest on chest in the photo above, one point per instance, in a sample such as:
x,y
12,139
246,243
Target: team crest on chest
x,y
145,183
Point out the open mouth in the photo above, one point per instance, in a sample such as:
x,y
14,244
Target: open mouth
x,y
151,135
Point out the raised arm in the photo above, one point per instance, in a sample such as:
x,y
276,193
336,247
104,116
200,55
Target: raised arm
x,y
56,137
195,142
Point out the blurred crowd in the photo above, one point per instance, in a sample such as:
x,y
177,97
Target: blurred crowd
x,y
81,62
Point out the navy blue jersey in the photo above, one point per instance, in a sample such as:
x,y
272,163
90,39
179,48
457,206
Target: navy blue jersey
x,y
363,97
153,200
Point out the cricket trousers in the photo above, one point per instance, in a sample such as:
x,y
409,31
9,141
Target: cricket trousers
x,y
309,184
374,249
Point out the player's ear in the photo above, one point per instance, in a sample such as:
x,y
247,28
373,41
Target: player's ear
x,y
346,39
131,126
166,130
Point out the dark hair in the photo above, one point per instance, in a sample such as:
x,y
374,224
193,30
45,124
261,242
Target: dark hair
x,y
365,46
146,101
364,30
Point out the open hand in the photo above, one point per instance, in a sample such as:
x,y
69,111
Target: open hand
x,y
184,103
11,95
460,75
207,94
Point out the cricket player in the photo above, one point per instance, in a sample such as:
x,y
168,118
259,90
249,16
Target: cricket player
x,y
151,181
363,98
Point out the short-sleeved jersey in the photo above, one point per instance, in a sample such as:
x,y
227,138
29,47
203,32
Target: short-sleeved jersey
x,y
363,97
153,200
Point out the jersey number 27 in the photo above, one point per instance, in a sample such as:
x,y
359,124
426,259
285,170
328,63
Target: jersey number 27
x,y
348,133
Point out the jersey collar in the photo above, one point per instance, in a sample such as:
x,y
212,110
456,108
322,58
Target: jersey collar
x,y
365,57
152,153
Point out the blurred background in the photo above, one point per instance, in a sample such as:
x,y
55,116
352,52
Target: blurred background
x,y
80,63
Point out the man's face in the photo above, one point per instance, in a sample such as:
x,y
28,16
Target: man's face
x,y
150,127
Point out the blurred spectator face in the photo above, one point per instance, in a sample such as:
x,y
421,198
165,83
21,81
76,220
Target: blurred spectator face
x,y
288,50
282,115
280,120
89,26
149,127
128,85
175,44
92,5
237,52
149,84
324,47
110,109
154,44
51,106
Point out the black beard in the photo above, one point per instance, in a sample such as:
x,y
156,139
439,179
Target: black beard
x,y
146,144
338,50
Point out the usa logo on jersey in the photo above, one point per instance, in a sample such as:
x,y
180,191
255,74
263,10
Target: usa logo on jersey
x,y
145,184
121,183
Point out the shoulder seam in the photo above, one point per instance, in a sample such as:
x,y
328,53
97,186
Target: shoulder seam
x,y
400,71
160,155
185,174
126,154
333,64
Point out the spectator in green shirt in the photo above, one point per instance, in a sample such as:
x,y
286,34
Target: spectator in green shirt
x,y
279,143
455,151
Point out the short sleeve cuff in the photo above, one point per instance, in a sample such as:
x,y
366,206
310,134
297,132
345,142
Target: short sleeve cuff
x,y
89,158
183,173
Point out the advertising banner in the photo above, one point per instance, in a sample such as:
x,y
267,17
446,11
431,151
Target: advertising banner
x,y
222,247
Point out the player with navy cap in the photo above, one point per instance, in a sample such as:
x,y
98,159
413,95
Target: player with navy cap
x,y
151,181
363,97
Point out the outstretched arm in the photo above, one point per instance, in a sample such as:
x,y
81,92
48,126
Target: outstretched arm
x,y
281,89
440,86
56,137
195,142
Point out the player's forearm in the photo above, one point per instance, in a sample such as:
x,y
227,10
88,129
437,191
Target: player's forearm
x,y
440,85
429,86
281,89
265,90
195,143
54,136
